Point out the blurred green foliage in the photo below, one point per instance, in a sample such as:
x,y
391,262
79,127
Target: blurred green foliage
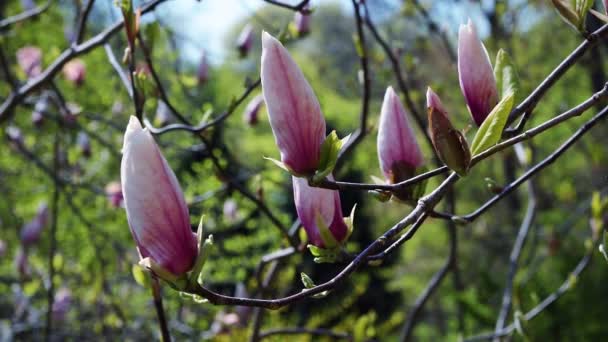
x,y
95,251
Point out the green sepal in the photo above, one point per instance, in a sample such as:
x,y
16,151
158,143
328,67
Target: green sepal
x,y
177,282
490,131
350,224
140,276
325,255
328,239
330,149
308,283
204,248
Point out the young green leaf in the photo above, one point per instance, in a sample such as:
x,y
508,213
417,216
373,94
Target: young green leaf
x,y
506,76
491,129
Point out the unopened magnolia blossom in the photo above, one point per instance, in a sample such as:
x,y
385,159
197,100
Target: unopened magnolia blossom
x,y
114,193
244,41
398,150
29,59
61,304
451,146
203,69
250,115
155,205
302,22
475,73
293,109
74,71
317,206
30,233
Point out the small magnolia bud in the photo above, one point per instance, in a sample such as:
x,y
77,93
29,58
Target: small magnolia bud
x,y
203,70
74,71
31,231
398,150
302,22
114,193
29,59
40,109
477,80
2,248
71,112
450,145
230,210
61,304
21,263
14,135
250,115
155,205
293,109
244,41
163,113
84,144
319,209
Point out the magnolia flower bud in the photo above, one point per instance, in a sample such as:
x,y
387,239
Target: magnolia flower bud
x,y
2,248
40,109
84,144
156,207
398,151
477,80
203,70
21,263
230,210
250,115
293,109
14,135
74,71
302,22
451,146
29,59
244,41
61,304
319,209
163,113
114,194
30,233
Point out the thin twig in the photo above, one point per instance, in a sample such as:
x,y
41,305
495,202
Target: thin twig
x,y
29,14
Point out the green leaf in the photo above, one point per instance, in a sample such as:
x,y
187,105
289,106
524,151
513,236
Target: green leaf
x,y
573,12
308,283
601,16
152,32
329,155
278,163
490,131
506,76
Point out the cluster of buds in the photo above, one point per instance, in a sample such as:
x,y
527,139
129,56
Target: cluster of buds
x,y
298,126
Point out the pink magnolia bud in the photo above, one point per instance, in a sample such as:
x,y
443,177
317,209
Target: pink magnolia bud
x,y
114,194
14,135
74,71
230,210
477,80
250,115
31,231
156,207
605,2
84,144
21,262
451,146
319,206
27,5
29,59
293,109
302,21
244,41
203,70
2,248
163,113
398,150
39,112
61,304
